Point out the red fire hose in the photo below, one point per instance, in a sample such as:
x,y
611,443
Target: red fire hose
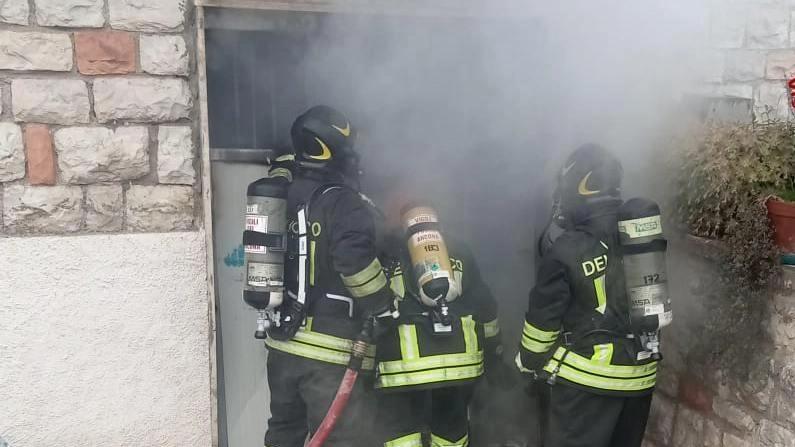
x,y
358,352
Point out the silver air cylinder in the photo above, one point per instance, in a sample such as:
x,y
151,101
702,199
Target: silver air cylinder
x,y
644,247
265,242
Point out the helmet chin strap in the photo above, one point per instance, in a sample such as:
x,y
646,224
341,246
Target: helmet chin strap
x,y
345,167
591,208
351,169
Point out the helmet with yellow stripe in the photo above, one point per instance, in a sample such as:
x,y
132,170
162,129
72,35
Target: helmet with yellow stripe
x,y
590,175
323,138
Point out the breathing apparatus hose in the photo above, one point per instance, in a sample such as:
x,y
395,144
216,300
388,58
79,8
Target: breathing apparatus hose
x,y
358,352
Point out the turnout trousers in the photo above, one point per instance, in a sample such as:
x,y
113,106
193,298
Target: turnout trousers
x,y
581,419
408,419
301,392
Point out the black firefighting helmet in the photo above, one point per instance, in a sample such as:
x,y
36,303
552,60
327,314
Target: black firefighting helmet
x,y
323,138
589,175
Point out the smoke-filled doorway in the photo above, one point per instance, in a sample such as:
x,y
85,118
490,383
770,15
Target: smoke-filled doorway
x,y
449,105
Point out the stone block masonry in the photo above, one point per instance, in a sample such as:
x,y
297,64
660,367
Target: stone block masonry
x,y
21,50
15,12
54,101
12,156
98,117
100,52
716,406
142,99
754,42
40,155
98,154
74,13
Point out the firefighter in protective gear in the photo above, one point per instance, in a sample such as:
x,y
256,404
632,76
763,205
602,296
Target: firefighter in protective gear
x,y
577,332
425,373
344,284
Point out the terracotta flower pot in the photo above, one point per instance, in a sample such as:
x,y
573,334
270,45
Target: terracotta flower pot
x,y
782,216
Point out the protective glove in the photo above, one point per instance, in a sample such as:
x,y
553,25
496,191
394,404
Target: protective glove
x,y
528,374
534,385
384,321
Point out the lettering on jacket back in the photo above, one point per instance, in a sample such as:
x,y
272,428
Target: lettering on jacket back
x,y
596,265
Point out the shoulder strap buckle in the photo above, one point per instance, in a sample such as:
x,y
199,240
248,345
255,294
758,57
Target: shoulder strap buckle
x,y
568,338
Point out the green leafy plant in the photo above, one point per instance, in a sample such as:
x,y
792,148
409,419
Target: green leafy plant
x,y
787,195
726,172
725,164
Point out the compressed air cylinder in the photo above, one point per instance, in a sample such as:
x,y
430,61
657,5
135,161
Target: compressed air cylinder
x,y
429,257
265,241
644,250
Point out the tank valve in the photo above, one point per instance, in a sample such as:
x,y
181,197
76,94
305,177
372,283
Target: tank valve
x,y
263,324
442,322
653,345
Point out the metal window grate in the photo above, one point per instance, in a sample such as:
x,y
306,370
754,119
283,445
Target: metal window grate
x,y
254,86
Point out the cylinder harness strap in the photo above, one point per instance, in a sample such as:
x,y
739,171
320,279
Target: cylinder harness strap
x,y
273,241
302,253
291,314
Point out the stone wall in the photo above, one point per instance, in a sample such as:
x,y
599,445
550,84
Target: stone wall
x,y
98,107
702,404
697,403
754,54
105,338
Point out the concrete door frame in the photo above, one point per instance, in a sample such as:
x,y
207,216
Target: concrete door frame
x,y
207,200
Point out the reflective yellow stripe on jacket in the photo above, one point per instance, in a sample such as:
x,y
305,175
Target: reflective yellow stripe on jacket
x,y
536,340
322,347
414,369
412,440
599,373
396,283
367,281
438,441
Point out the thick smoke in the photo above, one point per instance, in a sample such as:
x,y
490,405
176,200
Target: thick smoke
x,y
479,113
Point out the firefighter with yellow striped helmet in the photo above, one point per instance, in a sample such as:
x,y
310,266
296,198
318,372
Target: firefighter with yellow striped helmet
x,y
334,282
577,334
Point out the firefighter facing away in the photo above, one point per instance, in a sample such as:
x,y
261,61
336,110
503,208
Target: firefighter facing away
x,y
330,295
577,332
428,364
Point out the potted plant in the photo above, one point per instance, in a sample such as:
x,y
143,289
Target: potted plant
x,y
781,209
729,167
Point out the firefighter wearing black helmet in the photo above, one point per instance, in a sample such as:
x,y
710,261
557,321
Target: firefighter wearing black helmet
x,y
334,283
577,334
